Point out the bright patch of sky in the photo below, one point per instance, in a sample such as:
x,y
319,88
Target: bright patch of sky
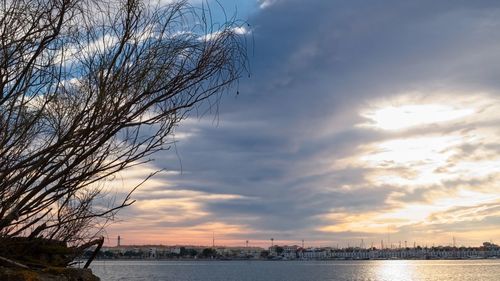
x,y
406,116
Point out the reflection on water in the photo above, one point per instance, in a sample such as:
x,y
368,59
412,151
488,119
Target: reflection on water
x,y
390,270
394,270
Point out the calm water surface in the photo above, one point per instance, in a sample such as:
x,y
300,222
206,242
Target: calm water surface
x,y
463,270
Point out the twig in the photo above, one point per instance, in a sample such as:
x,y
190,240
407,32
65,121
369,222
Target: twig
x,y
9,261
99,243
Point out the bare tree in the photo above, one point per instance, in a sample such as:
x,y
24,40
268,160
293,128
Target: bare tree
x,y
89,88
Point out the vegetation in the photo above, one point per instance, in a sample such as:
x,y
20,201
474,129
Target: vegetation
x,y
89,88
208,252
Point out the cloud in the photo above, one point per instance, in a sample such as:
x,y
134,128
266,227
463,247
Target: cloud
x,y
315,146
266,3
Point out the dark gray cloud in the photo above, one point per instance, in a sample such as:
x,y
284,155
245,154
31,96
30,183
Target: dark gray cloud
x,y
315,64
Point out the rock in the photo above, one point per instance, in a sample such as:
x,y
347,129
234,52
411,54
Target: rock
x,y
36,252
48,274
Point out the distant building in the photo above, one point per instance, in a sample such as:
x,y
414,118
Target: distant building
x,y
284,252
313,253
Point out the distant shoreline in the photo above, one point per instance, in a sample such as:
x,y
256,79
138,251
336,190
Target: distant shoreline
x,y
486,251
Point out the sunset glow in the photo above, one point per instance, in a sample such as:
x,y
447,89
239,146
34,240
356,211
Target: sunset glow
x,y
434,179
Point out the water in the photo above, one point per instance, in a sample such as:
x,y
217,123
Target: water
x,y
435,270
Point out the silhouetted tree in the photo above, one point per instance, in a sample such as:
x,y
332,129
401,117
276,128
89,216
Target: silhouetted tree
x,y
89,88
279,250
208,252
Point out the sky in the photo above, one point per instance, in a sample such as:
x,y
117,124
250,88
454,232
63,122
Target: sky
x,y
361,121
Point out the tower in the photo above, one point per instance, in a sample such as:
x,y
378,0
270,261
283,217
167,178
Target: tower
x,y
389,244
118,240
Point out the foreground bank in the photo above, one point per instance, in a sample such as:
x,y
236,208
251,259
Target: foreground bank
x,y
48,274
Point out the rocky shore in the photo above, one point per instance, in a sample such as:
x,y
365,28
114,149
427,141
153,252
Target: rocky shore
x,y
40,259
